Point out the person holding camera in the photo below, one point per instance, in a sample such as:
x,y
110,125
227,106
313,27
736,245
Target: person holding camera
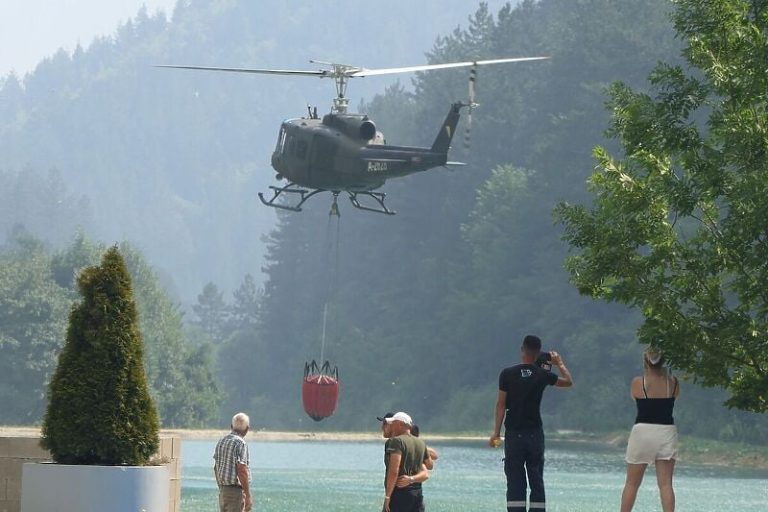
x,y
521,388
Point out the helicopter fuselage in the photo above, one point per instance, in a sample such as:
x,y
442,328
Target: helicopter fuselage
x,y
344,152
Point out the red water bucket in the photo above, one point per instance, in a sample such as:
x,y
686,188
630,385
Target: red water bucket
x,y
320,390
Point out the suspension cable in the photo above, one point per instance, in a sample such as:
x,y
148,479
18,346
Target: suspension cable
x,y
332,283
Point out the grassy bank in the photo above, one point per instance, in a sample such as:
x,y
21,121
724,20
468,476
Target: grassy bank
x,y
693,450
706,451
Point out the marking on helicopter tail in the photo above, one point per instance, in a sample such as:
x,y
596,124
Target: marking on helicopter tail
x,y
377,166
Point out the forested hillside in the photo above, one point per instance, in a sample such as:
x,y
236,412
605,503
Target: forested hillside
x,y
424,308
428,306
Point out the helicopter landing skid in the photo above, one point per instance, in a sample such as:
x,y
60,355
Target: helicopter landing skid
x,y
288,189
305,194
377,196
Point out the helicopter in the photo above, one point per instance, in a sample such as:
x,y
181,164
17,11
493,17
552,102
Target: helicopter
x,y
343,151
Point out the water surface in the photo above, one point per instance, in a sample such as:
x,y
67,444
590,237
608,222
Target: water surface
x,y
348,476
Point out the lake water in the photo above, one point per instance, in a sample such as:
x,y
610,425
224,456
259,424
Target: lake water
x,y
348,477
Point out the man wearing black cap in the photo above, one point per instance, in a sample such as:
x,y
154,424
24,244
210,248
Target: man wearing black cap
x,y
383,420
520,390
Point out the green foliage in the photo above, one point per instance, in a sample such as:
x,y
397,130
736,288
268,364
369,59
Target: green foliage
x,y
241,340
37,289
33,313
246,307
42,203
66,264
463,408
678,225
100,410
211,313
180,373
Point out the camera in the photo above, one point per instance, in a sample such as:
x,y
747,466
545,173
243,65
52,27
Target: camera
x,y
544,360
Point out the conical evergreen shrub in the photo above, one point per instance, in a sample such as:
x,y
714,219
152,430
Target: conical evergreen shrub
x,y
99,410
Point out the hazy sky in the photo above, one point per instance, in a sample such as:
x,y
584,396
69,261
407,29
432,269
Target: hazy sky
x,y
31,30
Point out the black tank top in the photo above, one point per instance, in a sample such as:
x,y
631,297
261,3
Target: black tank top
x,y
657,411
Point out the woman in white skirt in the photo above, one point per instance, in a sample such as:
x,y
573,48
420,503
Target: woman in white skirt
x,y
653,439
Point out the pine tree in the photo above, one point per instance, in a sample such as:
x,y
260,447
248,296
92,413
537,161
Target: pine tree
x,y
211,312
245,309
100,410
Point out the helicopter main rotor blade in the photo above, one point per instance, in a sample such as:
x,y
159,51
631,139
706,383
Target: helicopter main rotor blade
x,y
426,67
318,73
343,70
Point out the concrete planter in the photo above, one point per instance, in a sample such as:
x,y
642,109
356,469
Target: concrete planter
x,y
50,487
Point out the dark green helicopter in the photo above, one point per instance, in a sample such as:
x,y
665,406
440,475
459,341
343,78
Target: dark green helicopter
x,y
344,152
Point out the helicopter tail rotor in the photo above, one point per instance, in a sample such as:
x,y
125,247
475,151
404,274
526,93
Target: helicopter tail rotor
x,y
471,104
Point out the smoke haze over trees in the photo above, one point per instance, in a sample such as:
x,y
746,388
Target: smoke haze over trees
x,y
427,306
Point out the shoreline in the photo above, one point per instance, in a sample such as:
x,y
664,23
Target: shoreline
x,y
692,450
260,435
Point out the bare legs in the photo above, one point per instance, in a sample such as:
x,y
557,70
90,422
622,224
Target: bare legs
x,y
635,472
664,470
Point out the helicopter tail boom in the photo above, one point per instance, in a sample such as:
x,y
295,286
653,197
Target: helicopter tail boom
x,y
445,135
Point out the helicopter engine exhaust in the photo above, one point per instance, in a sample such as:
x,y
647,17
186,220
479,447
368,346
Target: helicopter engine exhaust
x,y
353,125
367,130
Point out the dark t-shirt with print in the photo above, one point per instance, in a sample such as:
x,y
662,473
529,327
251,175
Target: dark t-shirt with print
x,y
524,385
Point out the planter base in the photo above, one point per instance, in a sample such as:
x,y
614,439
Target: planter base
x,y
48,487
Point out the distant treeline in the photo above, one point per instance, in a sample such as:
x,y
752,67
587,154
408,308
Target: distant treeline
x,y
37,292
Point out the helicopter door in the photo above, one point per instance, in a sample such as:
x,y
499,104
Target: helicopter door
x,y
324,151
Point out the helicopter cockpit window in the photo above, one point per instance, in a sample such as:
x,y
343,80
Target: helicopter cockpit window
x,y
290,144
280,141
301,149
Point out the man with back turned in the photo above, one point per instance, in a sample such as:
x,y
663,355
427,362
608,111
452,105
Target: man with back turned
x,y
231,468
517,404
